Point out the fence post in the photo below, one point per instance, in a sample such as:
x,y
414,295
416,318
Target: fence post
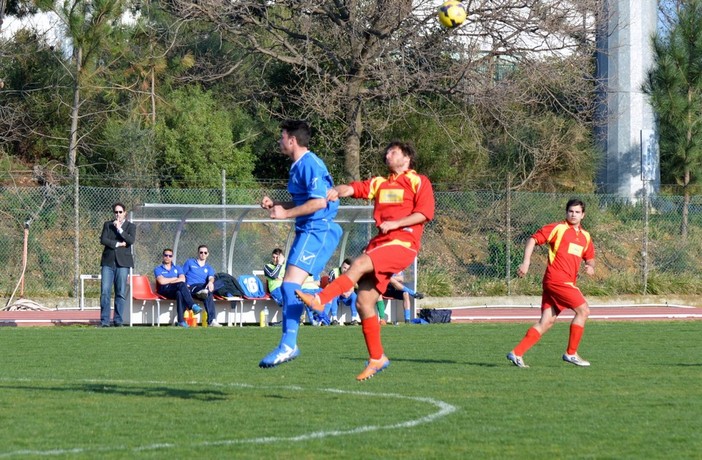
x,y
644,248
76,232
224,222
508,243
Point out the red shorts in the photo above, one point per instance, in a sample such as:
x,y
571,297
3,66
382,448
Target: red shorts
x,y
389,257
561,296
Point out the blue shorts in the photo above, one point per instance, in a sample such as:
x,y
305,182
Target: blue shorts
x,y
314,245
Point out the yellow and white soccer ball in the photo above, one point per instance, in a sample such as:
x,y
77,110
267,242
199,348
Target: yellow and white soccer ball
x,y
452,14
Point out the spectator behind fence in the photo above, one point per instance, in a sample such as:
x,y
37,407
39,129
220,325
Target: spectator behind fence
x,y
347,298
200,276
117,236
397,290
274,273
170,283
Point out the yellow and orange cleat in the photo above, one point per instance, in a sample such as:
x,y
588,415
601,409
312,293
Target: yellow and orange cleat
x,y
311,300
374,366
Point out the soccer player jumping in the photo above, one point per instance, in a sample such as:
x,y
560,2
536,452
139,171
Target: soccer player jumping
x,y
316,233
403,203
569,244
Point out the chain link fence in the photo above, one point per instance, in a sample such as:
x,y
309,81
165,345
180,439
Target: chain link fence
x,y
472,248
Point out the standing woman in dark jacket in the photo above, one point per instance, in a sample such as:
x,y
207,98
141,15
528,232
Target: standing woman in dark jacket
x,y
117,236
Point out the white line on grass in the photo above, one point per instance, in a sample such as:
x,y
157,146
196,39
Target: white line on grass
x,y
444,409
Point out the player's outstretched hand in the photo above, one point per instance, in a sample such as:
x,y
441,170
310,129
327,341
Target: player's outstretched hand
x,y
266,203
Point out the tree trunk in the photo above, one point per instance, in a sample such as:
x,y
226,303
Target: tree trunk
x,y
354,130
73,140
72,169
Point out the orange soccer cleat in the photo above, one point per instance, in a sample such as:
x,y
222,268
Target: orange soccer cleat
x,y
374,366
311,300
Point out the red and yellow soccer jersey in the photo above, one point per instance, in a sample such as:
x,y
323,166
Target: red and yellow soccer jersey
x,y
395,197
567,249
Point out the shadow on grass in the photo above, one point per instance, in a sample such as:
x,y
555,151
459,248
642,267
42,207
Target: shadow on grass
x,y
431,361
148,392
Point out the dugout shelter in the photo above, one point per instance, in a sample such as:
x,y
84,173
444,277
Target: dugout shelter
x,y
240,239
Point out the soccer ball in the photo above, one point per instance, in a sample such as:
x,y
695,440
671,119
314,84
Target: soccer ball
x,y
452,14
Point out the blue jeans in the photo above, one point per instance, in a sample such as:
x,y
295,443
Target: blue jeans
x,y
117,277
208,302
181,294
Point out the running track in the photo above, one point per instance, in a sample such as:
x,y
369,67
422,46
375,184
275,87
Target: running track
x,y
513,313
469,314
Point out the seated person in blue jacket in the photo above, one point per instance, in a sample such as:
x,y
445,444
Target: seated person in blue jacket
x,y
200,276
317,318
348,298
170,283
274,273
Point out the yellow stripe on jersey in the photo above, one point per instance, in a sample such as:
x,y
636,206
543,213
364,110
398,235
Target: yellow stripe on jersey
x,y
574,249
558,231
375,184
414,179
406,244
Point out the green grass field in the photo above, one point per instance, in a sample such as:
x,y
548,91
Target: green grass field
x,y
79,392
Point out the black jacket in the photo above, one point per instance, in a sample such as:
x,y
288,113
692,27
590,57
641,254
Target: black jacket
x,y
121,256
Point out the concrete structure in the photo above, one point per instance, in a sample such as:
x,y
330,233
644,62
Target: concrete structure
x,y
627,123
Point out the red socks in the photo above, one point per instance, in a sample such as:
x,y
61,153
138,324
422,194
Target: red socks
x,y
532,336
576,333
334,289
371,333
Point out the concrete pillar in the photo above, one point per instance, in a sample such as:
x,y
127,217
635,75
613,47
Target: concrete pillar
x,y
626,128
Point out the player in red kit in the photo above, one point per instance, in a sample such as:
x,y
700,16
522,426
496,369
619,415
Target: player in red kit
x,y
569,244
403,203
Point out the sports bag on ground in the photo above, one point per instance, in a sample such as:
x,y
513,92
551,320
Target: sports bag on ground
x,y
433,315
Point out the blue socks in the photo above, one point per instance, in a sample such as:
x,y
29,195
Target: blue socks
x,y
292,311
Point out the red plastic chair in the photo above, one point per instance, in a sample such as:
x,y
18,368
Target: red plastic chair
x,y
141,290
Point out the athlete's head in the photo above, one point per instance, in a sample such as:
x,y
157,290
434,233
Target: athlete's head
x,y
277,256
345,265
575,211
298,129
406,148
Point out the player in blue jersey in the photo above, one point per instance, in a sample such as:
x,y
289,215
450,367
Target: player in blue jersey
x,y
316,233
170,282
199,275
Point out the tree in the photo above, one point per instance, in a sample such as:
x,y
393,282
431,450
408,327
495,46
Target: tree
x,y
674,85
195,137
353,65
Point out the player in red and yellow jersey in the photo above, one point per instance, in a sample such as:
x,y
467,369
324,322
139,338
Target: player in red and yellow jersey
x,y
568,245
403,203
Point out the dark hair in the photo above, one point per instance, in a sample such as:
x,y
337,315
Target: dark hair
x,y
202,246
299,129
277,251
406,148
166,249
346,261
575,202
124,208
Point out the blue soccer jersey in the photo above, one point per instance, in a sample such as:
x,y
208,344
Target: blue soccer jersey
x,y
174,272
310,179
195,274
